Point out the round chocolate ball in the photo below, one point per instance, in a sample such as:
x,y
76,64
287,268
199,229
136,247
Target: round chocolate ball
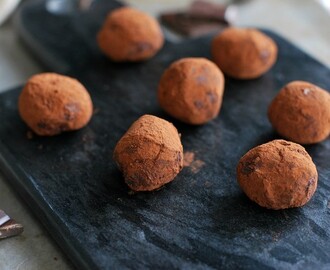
x,y
243,53
130,35
301,113
191,90
150,153
278,175
51,104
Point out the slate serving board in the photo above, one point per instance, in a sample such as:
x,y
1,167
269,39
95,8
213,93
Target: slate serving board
x,y
201,220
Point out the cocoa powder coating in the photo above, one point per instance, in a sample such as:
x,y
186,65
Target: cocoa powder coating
x,y
243,53
150,153
191,90
278,175
51,104
130,35
301,113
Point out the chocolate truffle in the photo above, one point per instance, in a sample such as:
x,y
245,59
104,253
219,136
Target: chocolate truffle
x,y
191,90
301,113
243,53
278,175
51,103
149,154
130,35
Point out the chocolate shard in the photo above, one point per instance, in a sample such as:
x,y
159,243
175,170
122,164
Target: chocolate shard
x,y
202,9
201,18
10,228
186,25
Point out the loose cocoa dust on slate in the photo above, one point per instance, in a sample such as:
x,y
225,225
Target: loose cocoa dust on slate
x,y
189,161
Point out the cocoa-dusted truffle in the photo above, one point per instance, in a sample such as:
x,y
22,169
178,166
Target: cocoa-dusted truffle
x,y
243,53
149,154
130,35
191,90
51,103
277,175
301,113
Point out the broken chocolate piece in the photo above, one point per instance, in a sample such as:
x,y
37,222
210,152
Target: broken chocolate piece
x,y
206,10
186,25
201,18
10,228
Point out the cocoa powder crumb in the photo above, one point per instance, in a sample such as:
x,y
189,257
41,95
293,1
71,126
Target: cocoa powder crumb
x,y
196,166
190,162
188,158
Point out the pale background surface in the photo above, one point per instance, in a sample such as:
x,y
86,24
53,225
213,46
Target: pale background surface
x,y
303,22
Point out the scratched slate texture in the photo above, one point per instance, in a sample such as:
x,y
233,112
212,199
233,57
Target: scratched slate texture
x,y
201,220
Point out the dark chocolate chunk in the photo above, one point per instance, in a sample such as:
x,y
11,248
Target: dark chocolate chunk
x,y
186,25
201,18
206,10
10,228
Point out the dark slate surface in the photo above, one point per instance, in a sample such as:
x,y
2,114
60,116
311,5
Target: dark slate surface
x,y
201,220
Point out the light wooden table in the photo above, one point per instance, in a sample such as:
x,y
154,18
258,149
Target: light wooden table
x,y
303,22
